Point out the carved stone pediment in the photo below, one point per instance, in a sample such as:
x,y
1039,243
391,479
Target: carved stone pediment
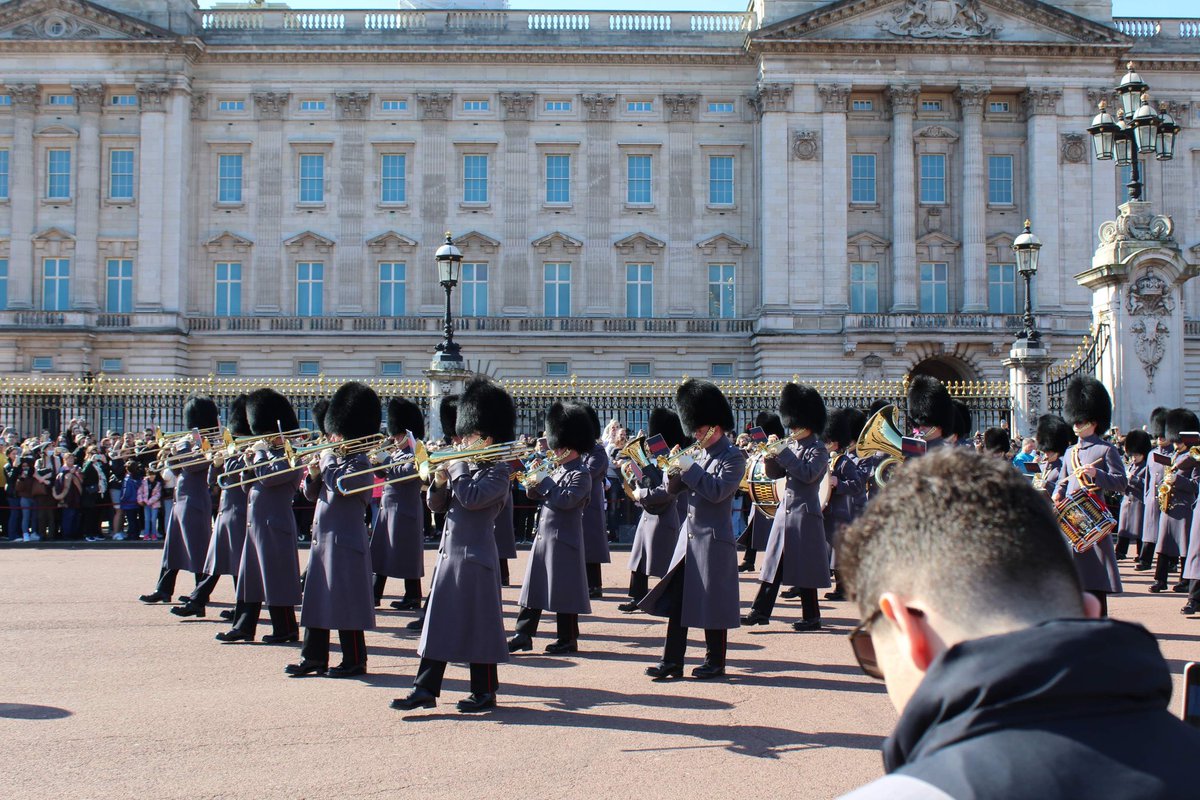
x,y
228,241
935,132
390,240
66,20
722,241
480,242
644,241
308,239
569,244
53,235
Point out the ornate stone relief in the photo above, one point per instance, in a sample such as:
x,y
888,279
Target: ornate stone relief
x,y
352,105
1041,100
199,105
517,105
1137,222
599,105
903,99
24,96
55,26
940,19
1071,148
89,97
434,105
972,98
1149,303
834,98
270,105
153,96
771,97
681,107
805,145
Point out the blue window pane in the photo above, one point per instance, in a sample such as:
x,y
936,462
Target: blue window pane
x,y
312,178
119,286
228,289
309,286
862,179
558,179
3,284
474,290
639,180
58,175
120,174
3,174
392,181
475,179
229,178
391,289
1000,180
56,282
720,180
933,178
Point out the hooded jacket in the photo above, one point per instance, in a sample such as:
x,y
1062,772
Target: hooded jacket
x,y
1066,709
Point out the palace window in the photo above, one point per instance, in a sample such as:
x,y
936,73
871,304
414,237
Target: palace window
x,y
118,295
557,277
931,105
393,105
862,179
392,168
231,105
391,369
120,174
638,190
721,369
110,365
933,178
1002,288
308,369
1000,180
558,179
474,289
639,290
864,288
227,368
639,369
720,107
42,363
862,105
123,100
557,369
392,275
3,174
934,285
998,107
310,285
312,178
312,105
56,284
475,178
5,99
228,297
3,284
477,105
60,100
558,105
721,291
229,178
720,180
639,106
58,175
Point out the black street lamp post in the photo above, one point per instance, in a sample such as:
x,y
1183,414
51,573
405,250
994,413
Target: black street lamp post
x,y
449,262
1138,129
1026,246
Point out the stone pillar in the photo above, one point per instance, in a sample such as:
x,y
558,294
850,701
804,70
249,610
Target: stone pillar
x,y
1044,190
519,290
435,195
687,283
88,274
903,100
177,221
834,202
264,284
352,271
23,195
152,103
441,383
1137,278
771,102
1027,385
601,275
974,192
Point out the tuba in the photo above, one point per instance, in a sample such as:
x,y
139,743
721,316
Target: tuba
x,y
882,434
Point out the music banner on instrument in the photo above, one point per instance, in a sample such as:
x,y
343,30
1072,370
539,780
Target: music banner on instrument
x,y
657,446
911,446
757,435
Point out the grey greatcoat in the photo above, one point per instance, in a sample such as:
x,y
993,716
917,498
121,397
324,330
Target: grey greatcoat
x,y
705,550
797,554
1175,524
657,531
338,592
1097,567
1130,524
270,567
506,534
190,527
842,500
229,534
1150,511
556,577
760,528
398,538
463,619
595,532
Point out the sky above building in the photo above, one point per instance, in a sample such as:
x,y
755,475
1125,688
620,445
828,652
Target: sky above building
x,y
1121,8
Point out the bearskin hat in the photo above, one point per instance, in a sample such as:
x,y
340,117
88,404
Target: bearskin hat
x,y
801,406
857,420
1138,443
568,425
1158,422
1178,421
929,405
962,420
200,413
448,415
405,415
770,423
238,426
996,440
1087,401
875,407
665,422
319,410
487,409
268,411
354,411
595,418
702,404
837,428
1054,434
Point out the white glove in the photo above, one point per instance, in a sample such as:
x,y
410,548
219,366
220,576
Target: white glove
x,y
776,447
685,462
260,446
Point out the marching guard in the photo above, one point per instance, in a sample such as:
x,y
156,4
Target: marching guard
x,y
758,531
464,621
1129,526
1054,436
448,417
931,411
1151,514
846,483
398,538
595,531
1177,500
700,589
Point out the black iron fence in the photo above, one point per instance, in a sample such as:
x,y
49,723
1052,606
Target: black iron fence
x,y
1082,362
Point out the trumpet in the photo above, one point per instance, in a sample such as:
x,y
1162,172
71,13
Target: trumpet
x,y
167,439
380,458
692,450
533,465
295,458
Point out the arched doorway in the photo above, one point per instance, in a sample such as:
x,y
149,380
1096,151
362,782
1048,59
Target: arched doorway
x,y
945,369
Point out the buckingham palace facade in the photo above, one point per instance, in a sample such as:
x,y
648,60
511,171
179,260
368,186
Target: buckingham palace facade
x,y
828,189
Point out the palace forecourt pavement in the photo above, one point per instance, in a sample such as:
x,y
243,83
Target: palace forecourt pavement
x,y
105,697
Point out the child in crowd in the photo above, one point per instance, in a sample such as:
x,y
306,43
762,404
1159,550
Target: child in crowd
x,y
149,497
128,505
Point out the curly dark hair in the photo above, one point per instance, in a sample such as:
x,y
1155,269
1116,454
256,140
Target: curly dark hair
x,y
967,532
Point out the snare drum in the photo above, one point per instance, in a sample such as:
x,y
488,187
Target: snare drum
x,y
1085,520
766,493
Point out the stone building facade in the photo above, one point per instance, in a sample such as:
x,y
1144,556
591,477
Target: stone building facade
x,y
828,189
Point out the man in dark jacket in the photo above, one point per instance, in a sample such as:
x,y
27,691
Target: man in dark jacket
x,y
1007,682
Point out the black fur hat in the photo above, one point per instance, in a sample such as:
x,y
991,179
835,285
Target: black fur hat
x,y
962,420
1087,401
238,426
1178,421
857,420
448,414
319,410
595,418
201,413
702,404
1138,443
996,440
569,425
875,407
405,415
1054,434
801,406
837,428
929,404
665,422
487,409
268,411
770,423
354,411
1158,422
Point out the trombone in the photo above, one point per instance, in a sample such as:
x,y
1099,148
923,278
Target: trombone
x,y
427,463
294,457
381,459
166,439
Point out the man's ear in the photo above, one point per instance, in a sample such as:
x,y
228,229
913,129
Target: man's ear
x,y
916,640
1091,606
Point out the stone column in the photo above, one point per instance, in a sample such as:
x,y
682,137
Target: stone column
x,y
263,284
435,195
834,202
442,382
176,186
687,285
88,274
351,272
1044,190
152,103
518,286
1027,385
974,205
771,103
601,275
903,100
23,195
1137,277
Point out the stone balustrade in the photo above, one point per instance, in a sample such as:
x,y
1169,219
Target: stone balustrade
x,y
433,324
1167,28
953,322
